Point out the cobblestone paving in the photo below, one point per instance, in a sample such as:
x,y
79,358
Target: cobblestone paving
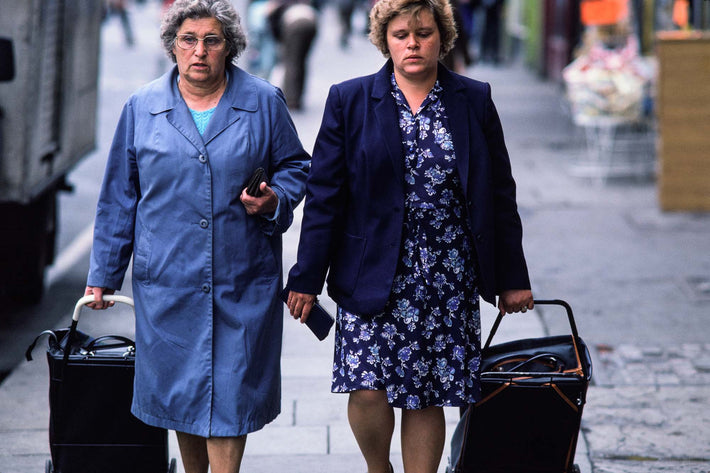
x,y
649,409
629,365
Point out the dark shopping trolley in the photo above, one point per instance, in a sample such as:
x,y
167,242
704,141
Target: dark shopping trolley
x,y
91,428
530,412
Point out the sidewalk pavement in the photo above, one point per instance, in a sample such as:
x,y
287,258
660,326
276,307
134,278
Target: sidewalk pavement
x,y
647,409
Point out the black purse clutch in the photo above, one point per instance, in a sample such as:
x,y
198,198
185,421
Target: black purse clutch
x,y
319,320
255,181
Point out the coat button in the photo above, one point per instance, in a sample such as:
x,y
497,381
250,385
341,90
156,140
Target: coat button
x,y
206,288
479,237
204,223
202,158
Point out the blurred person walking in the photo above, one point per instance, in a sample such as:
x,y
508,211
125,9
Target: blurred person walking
x,y
346,9
120,8
294,25
207,256
459,58
410,214
345,16
490,36
262,45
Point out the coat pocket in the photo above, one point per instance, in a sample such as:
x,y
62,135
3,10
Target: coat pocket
x,y
347,263
141,256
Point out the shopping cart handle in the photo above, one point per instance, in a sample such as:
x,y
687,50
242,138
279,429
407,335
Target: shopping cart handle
x,y
107,297
558,302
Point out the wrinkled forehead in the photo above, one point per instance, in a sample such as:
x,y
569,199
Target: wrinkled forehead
x,y
201,23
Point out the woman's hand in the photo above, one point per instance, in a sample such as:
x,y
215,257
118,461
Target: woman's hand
x,y
266,203
515,300
98,292
300,304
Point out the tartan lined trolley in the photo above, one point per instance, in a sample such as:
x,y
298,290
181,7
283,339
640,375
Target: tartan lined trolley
x,y
91,428
529,415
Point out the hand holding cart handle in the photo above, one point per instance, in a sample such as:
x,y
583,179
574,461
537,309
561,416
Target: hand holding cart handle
x,y
570,318
77,310
90,298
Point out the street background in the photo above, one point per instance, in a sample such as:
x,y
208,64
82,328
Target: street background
x,y
637,278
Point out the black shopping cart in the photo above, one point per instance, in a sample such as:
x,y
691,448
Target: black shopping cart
x,y
91,428
529,416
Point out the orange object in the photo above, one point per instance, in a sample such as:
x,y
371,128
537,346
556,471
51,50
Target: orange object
x,y
603,12
680,13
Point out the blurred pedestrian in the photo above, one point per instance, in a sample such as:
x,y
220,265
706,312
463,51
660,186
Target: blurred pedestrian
x,y
262,52
411,214
119,7
345,17
490,37
294,26
206,255
459,58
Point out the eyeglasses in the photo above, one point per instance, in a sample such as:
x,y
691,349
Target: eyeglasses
x,y
210,42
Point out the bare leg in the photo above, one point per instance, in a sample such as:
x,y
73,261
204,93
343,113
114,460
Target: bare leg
x,y
193,450
372,422
225,453
221,454
423,436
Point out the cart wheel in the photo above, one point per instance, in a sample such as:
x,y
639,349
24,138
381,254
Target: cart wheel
x,y
48,466
173,466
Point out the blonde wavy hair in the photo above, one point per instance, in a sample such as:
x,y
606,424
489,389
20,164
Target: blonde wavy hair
x,y
385,10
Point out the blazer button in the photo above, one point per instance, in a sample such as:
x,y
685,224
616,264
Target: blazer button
x,y
202,158
206,288
479,237
204,223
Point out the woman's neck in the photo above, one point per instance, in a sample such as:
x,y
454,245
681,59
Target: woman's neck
x,y
201,97
415,89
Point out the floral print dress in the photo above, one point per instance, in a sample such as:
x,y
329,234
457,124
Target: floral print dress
x,y
424,348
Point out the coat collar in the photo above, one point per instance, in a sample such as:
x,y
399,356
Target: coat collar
x,y
457,110
239,96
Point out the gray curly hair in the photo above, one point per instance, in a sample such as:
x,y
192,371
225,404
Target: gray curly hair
x,y
221,10
385,10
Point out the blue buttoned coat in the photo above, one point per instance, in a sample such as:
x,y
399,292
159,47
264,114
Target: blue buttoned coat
x,y
205,274
354,211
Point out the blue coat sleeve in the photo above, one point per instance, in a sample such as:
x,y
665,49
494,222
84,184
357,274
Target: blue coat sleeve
x,y
116,209
289,167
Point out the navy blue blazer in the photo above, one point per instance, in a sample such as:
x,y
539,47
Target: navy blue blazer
x,y
354,209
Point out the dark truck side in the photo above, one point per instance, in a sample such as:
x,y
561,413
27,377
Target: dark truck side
x,y
49,63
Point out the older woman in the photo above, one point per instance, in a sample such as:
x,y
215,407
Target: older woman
x,y
411,212
206,255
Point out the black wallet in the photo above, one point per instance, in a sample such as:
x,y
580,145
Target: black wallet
x,y
255,181
319,320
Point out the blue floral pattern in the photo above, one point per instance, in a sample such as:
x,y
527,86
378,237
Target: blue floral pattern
x,y
424,348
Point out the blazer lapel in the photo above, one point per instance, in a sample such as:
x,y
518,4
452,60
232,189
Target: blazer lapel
x,y
458,113
386,119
